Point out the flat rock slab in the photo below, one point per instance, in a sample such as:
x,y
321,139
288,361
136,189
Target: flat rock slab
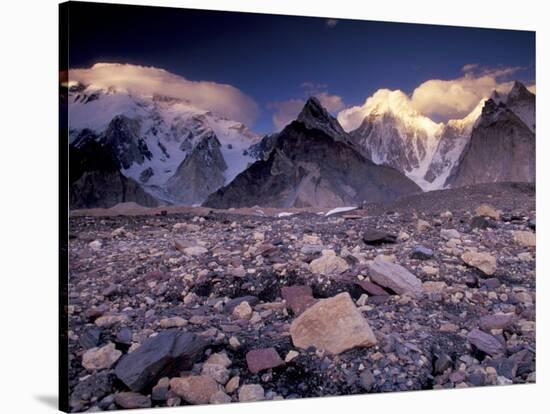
x,y
333,324
372,288
261,359
376,237
298,297
496,321
164,355
394,277
485,342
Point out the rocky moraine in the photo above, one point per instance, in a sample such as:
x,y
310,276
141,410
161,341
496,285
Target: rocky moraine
x,y
432,291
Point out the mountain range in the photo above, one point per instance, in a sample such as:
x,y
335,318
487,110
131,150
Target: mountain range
x,y
160,150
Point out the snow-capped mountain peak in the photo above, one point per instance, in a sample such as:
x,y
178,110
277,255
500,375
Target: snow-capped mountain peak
x,y
394,133
153,134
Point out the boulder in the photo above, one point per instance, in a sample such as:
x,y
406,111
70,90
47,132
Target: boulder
x,y
261,359
496,321
485,342
482,261
328,264
486,210
251,392
333,324
130,400
166,354
422,253
371,288
196,389
394,277
242,311
298,297
423,225
195,250
100,358
525,238
375,237
449,234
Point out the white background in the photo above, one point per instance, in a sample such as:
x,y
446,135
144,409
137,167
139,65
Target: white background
x,y
28,223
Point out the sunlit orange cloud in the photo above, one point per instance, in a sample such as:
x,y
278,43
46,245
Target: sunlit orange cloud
x,y
438,98
224,100
287,111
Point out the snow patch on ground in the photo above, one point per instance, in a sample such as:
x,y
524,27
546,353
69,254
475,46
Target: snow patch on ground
x,y
339,210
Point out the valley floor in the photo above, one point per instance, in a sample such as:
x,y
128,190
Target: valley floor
x,y
135,273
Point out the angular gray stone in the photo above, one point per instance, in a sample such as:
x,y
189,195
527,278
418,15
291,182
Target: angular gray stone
x,y
485,342
164,355
394,277
422,253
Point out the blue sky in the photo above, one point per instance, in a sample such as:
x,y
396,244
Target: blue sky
x,y
274,59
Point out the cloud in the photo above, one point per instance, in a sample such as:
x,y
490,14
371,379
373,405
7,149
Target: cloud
x,y
287,111
437,98
382,101
224,100
470,67
455,98
331,23
532,88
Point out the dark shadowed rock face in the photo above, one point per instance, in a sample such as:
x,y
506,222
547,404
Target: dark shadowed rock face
x,y
314,116
200,174
122,135
95,179
502,148
262,149
309,167
168,353
523,103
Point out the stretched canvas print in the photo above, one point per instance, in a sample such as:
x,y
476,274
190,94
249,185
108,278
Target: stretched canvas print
x,y
266,207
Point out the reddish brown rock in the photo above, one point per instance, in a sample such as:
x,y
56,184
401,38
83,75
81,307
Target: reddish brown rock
x,y
372,288
260,359
298,297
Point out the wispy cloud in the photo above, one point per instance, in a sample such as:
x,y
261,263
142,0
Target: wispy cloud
x,y
331,23
286,111
222,99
